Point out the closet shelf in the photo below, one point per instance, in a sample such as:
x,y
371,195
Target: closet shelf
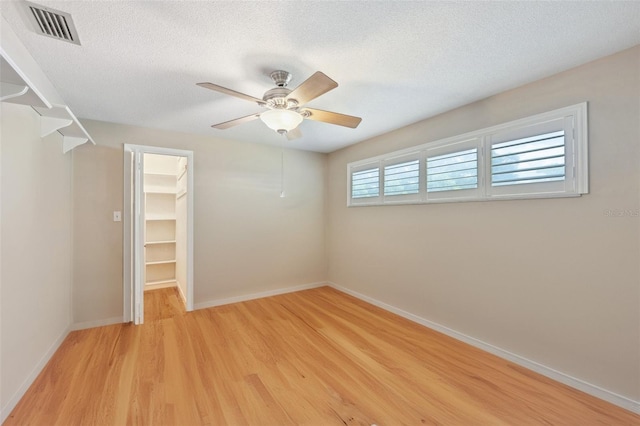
x,y
161,262
160,217
150,283
159,190
184,170
22,81
10,91
160,242
60,119
14,88
160,221
159,174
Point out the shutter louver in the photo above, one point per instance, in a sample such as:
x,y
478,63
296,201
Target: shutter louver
x,y
365,183
534,159
455,171
402,178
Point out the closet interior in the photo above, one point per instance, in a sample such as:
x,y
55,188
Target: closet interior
x,y
165,217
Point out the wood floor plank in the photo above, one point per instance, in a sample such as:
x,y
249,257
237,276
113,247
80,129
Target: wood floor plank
x,y
316,357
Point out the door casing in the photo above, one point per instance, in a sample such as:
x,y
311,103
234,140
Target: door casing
x,y
133,223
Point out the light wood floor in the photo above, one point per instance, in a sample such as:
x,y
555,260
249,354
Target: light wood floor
x,y
317,357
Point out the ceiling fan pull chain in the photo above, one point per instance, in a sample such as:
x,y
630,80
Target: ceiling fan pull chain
x,y
284,135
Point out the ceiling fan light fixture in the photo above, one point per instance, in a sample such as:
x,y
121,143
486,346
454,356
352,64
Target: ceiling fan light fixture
x,y
281,120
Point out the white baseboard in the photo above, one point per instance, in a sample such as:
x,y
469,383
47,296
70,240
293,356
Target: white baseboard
x,y
11,404
182,295
95,323
260,295
556,375
150,287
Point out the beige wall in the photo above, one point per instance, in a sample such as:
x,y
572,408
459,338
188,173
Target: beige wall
x,y
35,289
97,243
246,240
552,280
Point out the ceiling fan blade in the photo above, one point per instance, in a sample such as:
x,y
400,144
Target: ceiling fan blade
x,y
230,92
312,87
333,118
231,123
294,134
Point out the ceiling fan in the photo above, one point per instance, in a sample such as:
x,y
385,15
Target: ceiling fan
x,y
285,107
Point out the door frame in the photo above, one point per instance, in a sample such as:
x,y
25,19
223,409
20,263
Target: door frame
x,y
133,260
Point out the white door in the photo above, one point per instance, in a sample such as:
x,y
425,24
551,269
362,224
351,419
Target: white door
x,y
139,239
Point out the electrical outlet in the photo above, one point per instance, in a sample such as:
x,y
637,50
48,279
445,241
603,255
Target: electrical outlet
x,y
117,216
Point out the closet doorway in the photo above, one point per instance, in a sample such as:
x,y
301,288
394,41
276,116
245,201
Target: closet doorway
x,y
158,222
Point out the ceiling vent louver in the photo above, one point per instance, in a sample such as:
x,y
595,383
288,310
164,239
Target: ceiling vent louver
x,y
51,23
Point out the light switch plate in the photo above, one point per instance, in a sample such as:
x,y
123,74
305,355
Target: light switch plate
x,y
117,216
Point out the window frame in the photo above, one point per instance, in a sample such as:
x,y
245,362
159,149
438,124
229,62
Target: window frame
x,y
573,121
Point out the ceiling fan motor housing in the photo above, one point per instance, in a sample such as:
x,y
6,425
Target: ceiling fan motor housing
x,y
277,98
281,78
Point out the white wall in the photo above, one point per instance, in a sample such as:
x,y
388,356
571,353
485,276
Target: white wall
x,y
552,280
36,250
247,239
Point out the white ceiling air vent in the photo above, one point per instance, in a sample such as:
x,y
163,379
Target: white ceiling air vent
x,y
51,23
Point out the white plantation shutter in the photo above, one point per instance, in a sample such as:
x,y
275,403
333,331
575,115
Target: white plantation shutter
x,y
542,156
453,170
534,159
401,178
364,184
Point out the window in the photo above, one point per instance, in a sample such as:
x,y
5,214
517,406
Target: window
x,y
402,178
365,183
452,172
540,156
535,160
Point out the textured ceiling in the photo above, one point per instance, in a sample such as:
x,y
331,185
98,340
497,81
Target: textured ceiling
x,y
396,62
